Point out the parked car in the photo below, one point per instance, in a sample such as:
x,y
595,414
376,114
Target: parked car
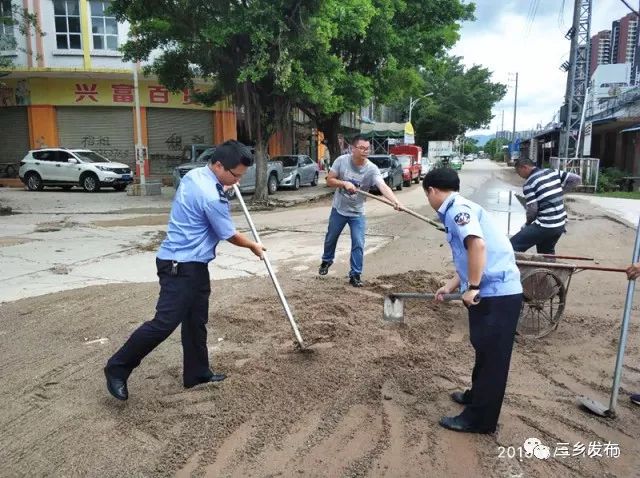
x,y
275,173
65,168
390,168
298,169
192,152
410,157
425,167
470,157
410,170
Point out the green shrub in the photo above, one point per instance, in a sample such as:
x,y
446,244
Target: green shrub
x,y
610,179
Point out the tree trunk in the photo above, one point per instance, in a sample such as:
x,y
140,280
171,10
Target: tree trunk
x,y
261,195
330,126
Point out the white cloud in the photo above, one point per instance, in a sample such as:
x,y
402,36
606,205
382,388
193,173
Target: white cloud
x,y
505,41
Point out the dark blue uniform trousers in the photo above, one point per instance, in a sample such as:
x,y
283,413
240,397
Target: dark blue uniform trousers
x,y
184,299
492,329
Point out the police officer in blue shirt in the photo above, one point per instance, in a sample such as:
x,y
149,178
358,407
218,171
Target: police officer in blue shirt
x,y
200,218
487,274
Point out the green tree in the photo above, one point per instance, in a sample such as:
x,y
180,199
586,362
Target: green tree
x,y
247,49
23,22
462,100
493,147
469,145
376,52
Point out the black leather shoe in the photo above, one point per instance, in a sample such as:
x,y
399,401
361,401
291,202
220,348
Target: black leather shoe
x,y
355,281
116,386
324,268
463,398
459,424
215,377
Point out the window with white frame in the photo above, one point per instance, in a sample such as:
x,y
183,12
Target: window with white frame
x,y
67,18
6,23
104,28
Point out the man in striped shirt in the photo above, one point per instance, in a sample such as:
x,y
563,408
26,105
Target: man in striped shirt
x,y
546,216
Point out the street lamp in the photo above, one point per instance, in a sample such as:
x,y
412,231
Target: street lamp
x,y
413,102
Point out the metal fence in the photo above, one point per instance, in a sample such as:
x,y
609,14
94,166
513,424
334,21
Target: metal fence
x,y
586,168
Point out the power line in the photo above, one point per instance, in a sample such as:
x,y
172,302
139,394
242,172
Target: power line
x,y
561,16
631,8
533,8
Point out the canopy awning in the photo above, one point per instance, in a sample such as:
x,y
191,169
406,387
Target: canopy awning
x,y
635,127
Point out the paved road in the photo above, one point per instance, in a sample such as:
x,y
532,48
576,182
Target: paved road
x,y
66,240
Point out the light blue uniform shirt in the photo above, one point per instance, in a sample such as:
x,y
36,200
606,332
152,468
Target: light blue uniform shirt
x,y
463,218
200,218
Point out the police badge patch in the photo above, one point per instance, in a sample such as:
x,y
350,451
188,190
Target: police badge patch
x,y
462,218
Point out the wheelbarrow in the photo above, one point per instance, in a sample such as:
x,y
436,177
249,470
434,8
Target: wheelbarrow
x,y
545,285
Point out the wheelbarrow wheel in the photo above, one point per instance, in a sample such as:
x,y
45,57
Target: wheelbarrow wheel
x,y
543,303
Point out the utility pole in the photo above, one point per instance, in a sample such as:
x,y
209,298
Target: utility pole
x,y
502,128
141,155
577,76
515,109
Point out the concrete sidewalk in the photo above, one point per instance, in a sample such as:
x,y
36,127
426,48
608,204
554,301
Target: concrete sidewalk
x,y
624,210
108,201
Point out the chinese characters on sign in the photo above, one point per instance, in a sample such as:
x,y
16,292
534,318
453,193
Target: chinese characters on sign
x,y
123,93
158,94
84,90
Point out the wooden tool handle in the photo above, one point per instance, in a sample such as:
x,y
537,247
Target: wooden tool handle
x,y
404,209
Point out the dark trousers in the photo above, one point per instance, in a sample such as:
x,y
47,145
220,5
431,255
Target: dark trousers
x,y
544,238
184,299
492,328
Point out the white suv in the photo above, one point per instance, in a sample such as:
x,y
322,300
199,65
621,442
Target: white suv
x,y
66,168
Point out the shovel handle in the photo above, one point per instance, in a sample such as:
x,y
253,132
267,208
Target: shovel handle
x,y
422,295
428,296
274,279
404,209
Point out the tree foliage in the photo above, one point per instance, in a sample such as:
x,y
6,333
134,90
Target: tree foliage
x,y
375,53
325,56
24,23
462,100
247,49
493,147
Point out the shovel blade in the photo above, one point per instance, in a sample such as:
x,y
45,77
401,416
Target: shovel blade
x,y
393,310
594,406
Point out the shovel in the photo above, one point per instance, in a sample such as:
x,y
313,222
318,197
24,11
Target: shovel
x,y
393,310
274,279
437,225
592,405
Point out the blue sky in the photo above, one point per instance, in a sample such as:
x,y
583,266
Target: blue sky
x,y
505,40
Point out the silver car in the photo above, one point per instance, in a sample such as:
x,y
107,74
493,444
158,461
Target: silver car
x,y
298,169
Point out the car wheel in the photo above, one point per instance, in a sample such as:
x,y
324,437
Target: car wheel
x,y
399,186
315,180
90,183
272,184
34,182
120,187
418,179
10,171
296,183
407,183
66,188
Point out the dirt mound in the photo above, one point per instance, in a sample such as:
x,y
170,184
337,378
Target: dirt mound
x,y
364,403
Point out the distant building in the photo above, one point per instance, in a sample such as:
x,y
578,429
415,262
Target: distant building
x,y
616,46
623,45
600,50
